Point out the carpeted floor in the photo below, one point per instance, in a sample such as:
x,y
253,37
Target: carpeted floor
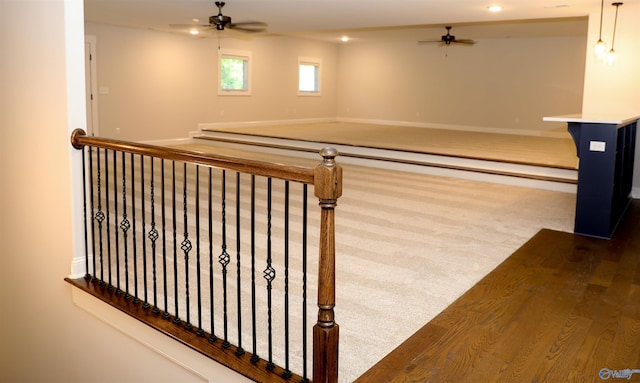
x,y
536,150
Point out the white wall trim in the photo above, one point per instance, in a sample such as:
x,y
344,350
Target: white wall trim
x,y
635,192
78,266
245,124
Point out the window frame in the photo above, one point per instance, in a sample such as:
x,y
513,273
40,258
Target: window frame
x,y
235,54
316,62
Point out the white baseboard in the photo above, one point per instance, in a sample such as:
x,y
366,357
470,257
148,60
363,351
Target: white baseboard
x,y
245,124
78,267
635,192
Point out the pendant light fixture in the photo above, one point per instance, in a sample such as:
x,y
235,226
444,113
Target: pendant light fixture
x,y
600,47
612,53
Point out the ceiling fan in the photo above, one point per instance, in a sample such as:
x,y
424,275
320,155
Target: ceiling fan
x,y
220,22
448,39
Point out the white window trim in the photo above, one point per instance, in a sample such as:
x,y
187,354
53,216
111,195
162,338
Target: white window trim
x,y
310,61
230,53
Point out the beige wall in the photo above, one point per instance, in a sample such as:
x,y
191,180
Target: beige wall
x,y
44,337
507,83
161,85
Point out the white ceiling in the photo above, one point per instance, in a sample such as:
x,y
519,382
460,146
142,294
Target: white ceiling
x,y
360,19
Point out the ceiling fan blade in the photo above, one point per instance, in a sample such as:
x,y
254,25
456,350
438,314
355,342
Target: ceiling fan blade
x,y
430,42
248,26
465,41
189,26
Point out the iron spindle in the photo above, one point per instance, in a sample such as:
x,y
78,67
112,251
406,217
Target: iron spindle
x,y
87,275
286,373
153,236
255,358
136,298
224,259
200,331
146,304
269,275
186,248
212,337
125,225
93,222
176,318
108,213
239,350
165,294
115,221
100,216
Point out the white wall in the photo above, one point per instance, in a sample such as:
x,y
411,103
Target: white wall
x,y
505,83
161,85
44,337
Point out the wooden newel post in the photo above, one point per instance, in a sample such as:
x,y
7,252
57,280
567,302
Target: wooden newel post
x,y
328,188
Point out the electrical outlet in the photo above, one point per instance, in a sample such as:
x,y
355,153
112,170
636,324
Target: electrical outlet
x,y
597,146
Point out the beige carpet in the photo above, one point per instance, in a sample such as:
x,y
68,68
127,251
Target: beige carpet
x,y
408,245
538,150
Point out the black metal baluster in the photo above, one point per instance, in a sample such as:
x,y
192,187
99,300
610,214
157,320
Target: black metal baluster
x,y
87,274
255,358
146,304
153,236
100,217
212,337
200,331
115,222
286,373
224,259
136,298
186,248
305,378
106,190
125,225
176,318
269,275
239,350
93,215
165,289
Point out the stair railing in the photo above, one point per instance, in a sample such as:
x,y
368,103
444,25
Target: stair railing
x,y
144,208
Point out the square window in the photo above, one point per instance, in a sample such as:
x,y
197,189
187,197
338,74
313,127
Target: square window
x,y
235,73
309,77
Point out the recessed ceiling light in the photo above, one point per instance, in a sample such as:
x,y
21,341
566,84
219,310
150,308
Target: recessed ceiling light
x,y
344,39
194,31
494,8
195,20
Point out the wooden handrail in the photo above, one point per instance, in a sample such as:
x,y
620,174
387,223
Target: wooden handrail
x,y
79,139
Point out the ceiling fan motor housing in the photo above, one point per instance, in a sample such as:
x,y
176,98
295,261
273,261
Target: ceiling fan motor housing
x,y
219,21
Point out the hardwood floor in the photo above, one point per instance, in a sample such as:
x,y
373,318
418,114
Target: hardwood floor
x,y
563,308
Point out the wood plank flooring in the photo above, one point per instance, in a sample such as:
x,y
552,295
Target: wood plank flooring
x,y
563,308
